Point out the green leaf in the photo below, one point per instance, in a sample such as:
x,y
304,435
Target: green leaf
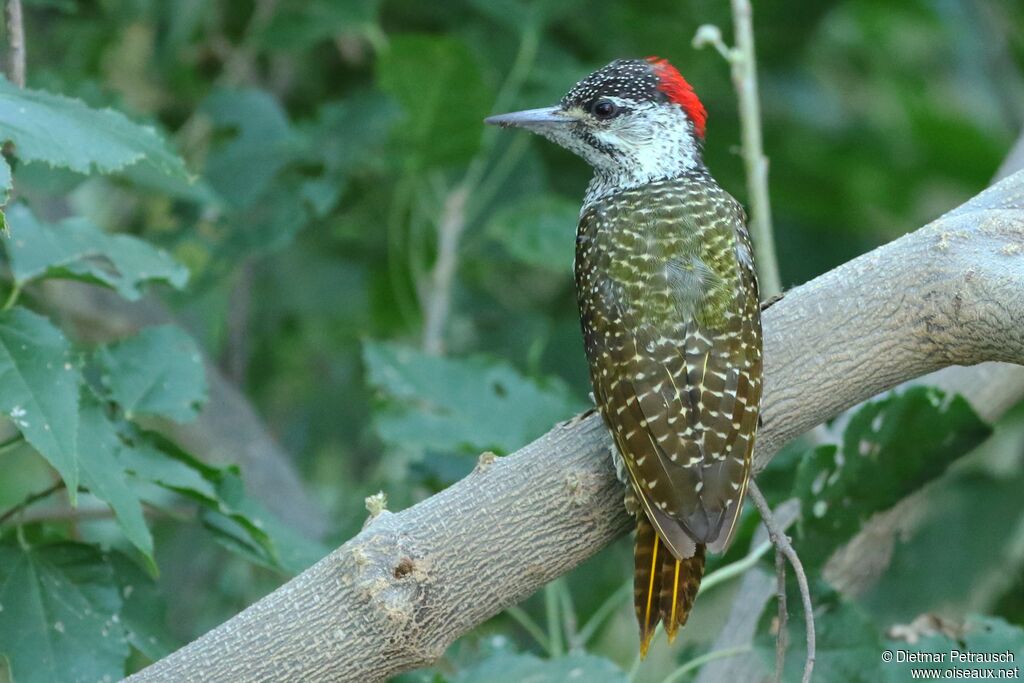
x,y
159,371
438,84
260,142
219,491
59,618
460,404
39,382
980,635
891,447
243,525
77,249
104,474
298,25
539,231
236,520
993,634
143,610
518,668
64,132
269,224
917,580
347,136
149,463
234,516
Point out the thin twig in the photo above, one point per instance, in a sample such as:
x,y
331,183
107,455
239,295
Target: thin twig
x,y
782,544
437,302
744,76
782,637
611,603
30,499
743,61
522,618
239,65
569,623
551,609
734,569
235,358
182,513
15,43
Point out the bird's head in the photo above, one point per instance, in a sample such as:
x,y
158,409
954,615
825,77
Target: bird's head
x,y
635,121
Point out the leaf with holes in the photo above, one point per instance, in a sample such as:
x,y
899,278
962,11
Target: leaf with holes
x,y
59,618
159,371
76,249
891,447
143,609
258,143
979,635
39,382
467,404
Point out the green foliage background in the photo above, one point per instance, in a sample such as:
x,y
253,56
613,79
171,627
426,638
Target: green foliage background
x,y
277,173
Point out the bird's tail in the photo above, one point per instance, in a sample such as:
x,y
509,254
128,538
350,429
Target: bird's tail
x,y
664,588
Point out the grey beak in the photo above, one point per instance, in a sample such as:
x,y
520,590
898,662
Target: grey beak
x,y
531,119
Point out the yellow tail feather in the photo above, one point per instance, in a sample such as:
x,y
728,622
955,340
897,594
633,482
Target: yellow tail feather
x,y
675,599
664,587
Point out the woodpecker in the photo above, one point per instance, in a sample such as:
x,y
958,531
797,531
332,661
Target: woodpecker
x,y
671,319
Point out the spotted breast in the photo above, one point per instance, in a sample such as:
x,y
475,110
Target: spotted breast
x,y
669,307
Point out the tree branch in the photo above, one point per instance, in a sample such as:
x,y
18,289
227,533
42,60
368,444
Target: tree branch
x,y
15,43
395,596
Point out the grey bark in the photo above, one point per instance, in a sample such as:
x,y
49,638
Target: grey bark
x,y
395,596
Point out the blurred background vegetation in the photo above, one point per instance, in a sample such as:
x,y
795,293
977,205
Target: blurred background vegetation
x,y
388,283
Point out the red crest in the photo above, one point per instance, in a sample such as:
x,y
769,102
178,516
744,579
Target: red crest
x,y
678,90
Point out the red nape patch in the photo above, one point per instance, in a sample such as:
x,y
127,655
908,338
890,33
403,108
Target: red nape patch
x,y
679,91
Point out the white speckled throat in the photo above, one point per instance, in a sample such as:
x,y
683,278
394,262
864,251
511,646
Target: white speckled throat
x,y
653,142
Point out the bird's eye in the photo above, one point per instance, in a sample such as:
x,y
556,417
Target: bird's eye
x,y
604,109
